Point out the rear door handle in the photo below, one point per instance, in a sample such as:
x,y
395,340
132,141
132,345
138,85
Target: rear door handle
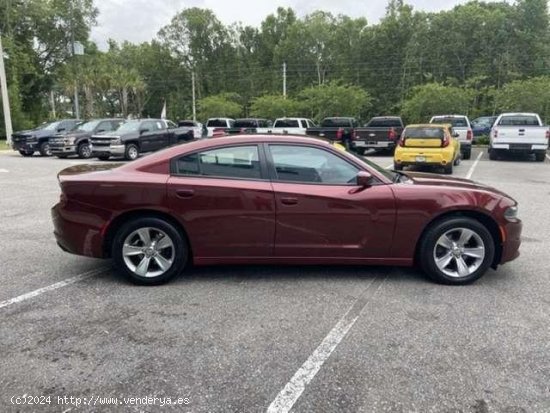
x,y
289,201
185,193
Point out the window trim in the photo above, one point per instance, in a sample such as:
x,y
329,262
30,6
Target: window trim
x,y
273,172
261,159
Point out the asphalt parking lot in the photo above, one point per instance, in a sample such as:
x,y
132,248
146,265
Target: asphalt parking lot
x,y
314,339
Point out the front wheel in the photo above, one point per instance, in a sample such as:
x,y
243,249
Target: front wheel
x,y
84,151
456,251
44,149
26,153
132,152
150,251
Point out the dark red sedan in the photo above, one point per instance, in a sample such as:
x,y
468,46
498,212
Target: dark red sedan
x,y
280,200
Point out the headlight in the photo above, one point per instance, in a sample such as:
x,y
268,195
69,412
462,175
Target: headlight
x,y
70,140
511,213
116,141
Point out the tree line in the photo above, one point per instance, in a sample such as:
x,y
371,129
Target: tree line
x,y
478,58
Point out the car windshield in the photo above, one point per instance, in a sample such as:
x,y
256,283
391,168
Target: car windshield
x,y
456,122
51,126
87,126
245,123
423,133
130,126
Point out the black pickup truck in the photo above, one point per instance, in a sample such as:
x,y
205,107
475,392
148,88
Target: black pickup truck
x,y
336,129
77,140
248,125
27,142
138,136
380,133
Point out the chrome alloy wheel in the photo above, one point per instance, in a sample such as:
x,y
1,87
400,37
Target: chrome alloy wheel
x,y
459,252
148,252
133,153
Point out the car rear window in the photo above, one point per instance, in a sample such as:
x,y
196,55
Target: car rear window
x,y
423,133
245,123
234,162
216,123
385,123
456,122
337,122
188,123
519,120
286,123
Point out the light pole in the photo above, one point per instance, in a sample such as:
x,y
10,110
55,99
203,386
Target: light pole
x,y
5,97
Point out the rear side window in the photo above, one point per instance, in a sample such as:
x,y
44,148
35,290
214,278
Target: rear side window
x,y
287,123
523,120
385,123
456,122
234,162
423,133
186,123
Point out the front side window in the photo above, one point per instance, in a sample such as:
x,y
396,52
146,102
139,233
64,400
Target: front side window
x,y
241,162
311,165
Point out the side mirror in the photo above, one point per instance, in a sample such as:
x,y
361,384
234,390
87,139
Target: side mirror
x,y
364,179
142,131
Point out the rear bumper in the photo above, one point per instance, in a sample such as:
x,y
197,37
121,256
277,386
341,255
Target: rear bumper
x,y
512,241
520,148
415,158
366,144
78,229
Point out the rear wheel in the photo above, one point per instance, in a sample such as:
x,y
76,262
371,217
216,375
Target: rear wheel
x,y
44,149
539,156
456,251
84,151
360,151
150,251
397,167
493,155
467,153
448,169
26,152
132,152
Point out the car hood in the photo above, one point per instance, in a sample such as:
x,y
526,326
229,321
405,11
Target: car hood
x,y
428,179
74,134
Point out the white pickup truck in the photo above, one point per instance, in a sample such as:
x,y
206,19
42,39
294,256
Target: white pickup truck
x,y
461,125
290,126
519,133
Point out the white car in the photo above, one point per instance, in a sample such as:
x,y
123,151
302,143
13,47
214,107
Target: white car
x,y
218,123
519,133
290,126
196,127
461,125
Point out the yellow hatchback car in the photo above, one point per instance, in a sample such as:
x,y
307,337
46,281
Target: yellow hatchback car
x,y
427,145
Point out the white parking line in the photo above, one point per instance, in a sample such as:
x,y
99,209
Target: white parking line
x,y
474,165
52,287
548,157
4,171
297,384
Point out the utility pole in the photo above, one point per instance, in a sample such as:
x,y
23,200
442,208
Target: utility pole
x,y
193,91
75,100
284,80
52,102
5,97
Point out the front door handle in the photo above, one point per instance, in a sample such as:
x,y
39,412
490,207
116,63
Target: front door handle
x,y
289,201
185,193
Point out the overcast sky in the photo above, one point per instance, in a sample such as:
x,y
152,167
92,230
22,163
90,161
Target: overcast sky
x,y
140,20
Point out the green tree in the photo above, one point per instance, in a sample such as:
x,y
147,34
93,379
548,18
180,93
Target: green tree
x,y
333,99
224,105
274,106
530,95
434,98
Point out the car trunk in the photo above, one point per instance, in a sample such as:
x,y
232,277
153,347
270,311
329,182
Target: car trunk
x,y
425,142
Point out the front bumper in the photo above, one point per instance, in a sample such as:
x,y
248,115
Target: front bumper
x,y
62,149
112,150
24,145
511,233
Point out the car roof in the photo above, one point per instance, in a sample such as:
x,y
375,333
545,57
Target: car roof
x,y
430,125
449,116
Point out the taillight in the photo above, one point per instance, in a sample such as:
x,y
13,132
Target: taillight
x,y
469,135
495,133
339,134
353,134
445,142
402,142
391,134
548,134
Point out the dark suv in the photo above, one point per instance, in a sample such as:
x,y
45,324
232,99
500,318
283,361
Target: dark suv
x,y
77,140
27,142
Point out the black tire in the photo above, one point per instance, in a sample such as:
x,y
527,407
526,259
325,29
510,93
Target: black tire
x,y
360,151
103,157
397,167
427,250
467,153
84,151
62,156
540,156
180,250
493,155
44,149
131,152
448,169
26,153
457,160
